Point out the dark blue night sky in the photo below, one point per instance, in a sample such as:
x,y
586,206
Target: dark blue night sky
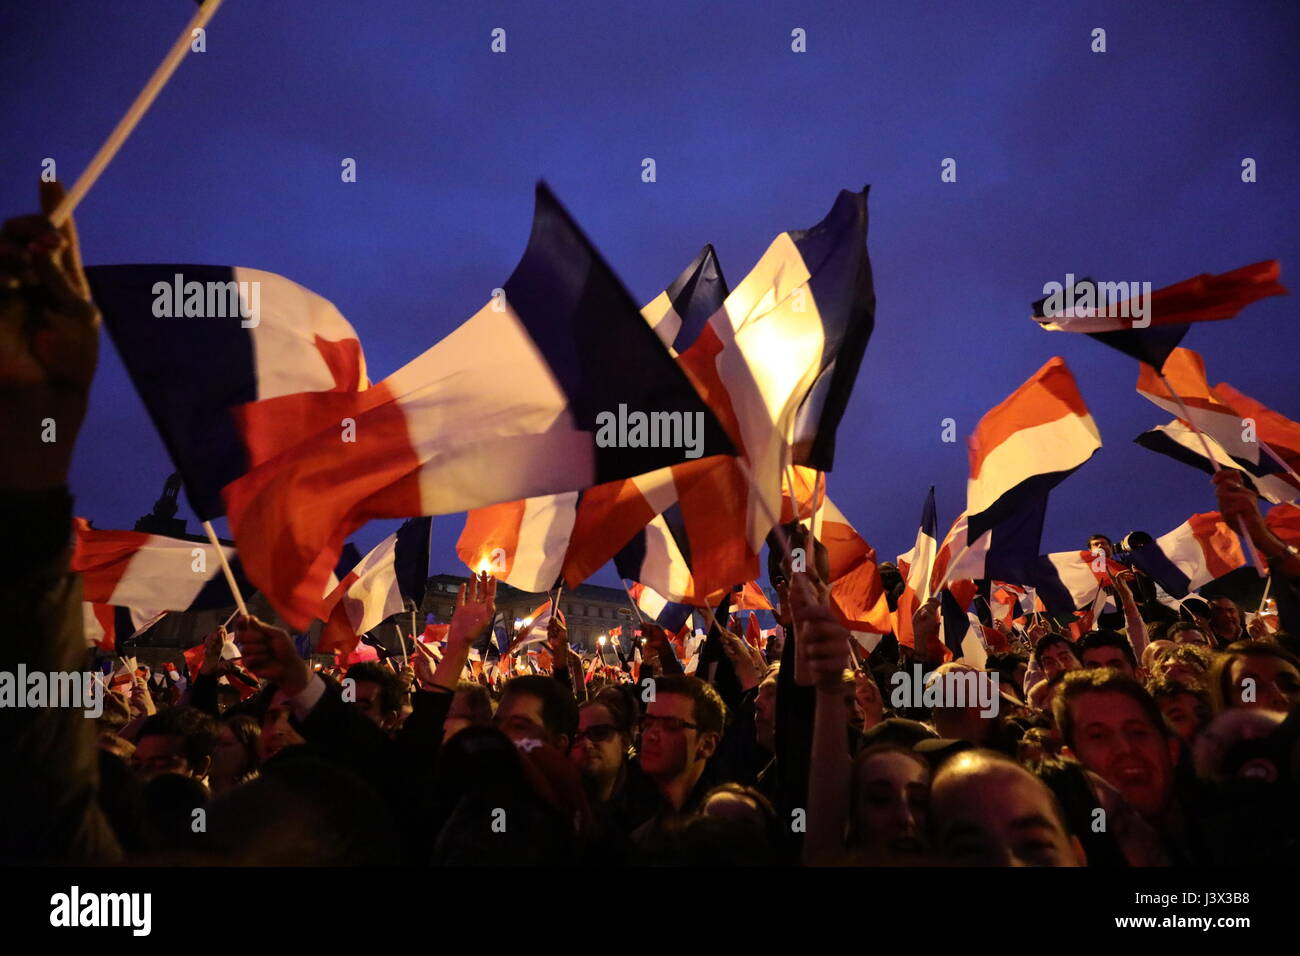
x,y
1123,165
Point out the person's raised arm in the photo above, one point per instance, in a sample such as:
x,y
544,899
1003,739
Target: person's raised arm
x,y
475,605
49,340
1133,623
824,643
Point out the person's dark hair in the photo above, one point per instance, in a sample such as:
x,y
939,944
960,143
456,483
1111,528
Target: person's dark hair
x,y
1197,606
1195,654
1178,627
855,785
1104,537
709,712
752,794
1076,801
1005,664
1219,679
390,687
1163,687
198,730
1160,687
615,702
1046,641
247,731
1105,638
1101,680
559,709
480,702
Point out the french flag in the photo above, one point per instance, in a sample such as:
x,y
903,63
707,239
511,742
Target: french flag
x,y
679,314
857,593
504,408
138,570
103,622
1284,521
1185,371
1201,298
199,341
394,573
1067,581
653,606
777,362
1019,451
1275,431
536,543
535,625
1175,440
916,567
961,632
1195,553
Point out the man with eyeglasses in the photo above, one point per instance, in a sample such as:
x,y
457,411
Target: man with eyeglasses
x,y
679,733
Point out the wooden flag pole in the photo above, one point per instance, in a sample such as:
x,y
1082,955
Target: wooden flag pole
x,y
225,568
1205,445
127,124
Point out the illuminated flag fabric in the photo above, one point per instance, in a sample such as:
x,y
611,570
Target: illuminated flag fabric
x,y
199,341
1175,440
1102,311
750,597
1185,371
1273,429
535,629
394,572
776,362
508,406
139,570
1019,451
529,544
680,312
857,593
1195,553
1066,581
670,615
1284,521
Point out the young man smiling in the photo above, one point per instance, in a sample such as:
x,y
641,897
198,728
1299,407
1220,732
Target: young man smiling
x,y
679,733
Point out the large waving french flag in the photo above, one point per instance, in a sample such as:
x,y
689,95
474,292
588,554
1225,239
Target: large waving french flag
x,y
394,573
226,336
1066,581
504,408
150,571
1275,431
777,362
1195,553
535,543
1019,451
1175,440
1185,371
1202,298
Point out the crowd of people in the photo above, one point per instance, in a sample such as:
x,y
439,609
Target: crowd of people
x,y
1167,738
